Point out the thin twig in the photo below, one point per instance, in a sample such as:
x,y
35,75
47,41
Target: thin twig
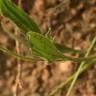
x,y
18,84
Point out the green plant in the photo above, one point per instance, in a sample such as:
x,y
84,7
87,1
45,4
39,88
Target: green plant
x,y
40,45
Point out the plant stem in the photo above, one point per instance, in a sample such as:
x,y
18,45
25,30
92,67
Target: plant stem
x,y
80,67
18,84
87,65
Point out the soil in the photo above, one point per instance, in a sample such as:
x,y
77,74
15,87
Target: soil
x,y
73,23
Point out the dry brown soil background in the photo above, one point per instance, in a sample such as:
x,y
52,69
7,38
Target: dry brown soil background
x,y
73,23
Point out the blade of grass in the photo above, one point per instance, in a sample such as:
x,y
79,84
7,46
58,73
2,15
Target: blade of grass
x,y
18,16
80,67
14,54
59,87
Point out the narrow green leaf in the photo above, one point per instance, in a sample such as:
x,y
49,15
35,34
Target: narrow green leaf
x,y
18,16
